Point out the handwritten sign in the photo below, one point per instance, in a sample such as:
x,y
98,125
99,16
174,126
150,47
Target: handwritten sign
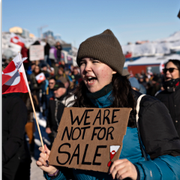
x,y
36,52
89,138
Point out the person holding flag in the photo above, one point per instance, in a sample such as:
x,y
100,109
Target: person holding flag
x,y
16,157
151,147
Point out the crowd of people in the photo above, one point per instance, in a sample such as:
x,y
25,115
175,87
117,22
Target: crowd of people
x,y
100,81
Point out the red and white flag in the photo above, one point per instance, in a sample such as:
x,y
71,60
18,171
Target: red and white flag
x,y
40,77
113,151
161,67
17,40
12,68
14,77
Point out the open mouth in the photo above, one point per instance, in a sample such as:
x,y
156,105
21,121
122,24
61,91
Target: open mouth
x,y
90,80
168,78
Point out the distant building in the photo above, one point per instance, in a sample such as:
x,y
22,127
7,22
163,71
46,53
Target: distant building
x,y
48,34
20,31
16,30
57,37
31,35
25,33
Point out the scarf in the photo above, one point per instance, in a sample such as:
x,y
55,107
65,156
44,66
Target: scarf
x,y
102,98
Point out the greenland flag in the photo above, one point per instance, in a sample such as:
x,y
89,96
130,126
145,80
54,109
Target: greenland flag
x,y
40,77
113,151
14,78
12,68
17,40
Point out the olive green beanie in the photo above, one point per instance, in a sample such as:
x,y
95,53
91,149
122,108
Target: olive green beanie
x,y
104,47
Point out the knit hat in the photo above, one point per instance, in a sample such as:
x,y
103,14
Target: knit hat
x,y
104,47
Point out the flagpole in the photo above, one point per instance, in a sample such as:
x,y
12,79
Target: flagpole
x,y
39,131
36,119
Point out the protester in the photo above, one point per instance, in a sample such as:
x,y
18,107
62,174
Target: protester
x,y
71,81
101,62
15,153
50,88
35,86
170,96
57,52
47,48
142,84
61,74
155,86
44,69
134,83
126,73
77,76
52,56
55,110
24,53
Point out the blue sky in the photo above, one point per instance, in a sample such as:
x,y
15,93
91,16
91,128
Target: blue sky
x,y
76,20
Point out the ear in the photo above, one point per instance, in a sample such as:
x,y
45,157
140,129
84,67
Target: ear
x,y
114,72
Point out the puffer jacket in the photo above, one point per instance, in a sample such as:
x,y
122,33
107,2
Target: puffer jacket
x,y
159,138
172,102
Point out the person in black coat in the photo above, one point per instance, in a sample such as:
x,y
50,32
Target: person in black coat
x,y
57,52
47,48
55,110
15,153
171,94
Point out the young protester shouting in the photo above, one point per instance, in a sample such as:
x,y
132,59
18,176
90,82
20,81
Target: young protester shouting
x,y
101,62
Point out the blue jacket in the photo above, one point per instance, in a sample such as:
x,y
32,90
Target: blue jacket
x,y
160,140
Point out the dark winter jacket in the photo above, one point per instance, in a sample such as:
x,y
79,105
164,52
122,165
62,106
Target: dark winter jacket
x,y
47,48
14,146
54,116
172,102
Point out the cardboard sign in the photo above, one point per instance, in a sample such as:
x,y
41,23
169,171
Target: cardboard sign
x,y
89,138
36,52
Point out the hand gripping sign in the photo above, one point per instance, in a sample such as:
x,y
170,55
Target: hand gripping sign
x,y
89,138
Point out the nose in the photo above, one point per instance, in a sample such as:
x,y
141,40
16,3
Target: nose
x,y
87,67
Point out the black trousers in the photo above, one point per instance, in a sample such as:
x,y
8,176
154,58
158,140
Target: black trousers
x,y
17,173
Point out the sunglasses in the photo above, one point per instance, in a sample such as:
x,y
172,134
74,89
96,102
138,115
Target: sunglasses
x,y
169,69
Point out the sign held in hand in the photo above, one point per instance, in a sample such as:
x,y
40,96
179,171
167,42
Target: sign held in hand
x,y
89,138
36,52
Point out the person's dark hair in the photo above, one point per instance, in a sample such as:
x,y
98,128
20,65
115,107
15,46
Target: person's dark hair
x,y
53,77
122,93
39,69
176,62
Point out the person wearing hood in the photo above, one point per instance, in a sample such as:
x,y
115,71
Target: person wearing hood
x,y
170,96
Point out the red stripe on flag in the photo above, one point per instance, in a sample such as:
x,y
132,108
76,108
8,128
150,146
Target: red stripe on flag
x,y
20,87
11,67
